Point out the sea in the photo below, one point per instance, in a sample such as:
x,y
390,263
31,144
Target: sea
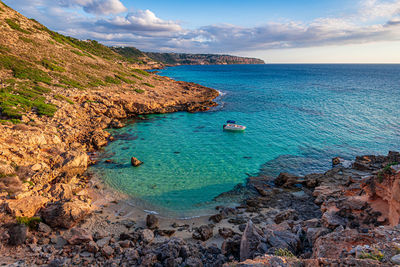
x,y
298,117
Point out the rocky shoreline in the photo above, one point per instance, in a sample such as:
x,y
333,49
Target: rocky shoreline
x,y
348,215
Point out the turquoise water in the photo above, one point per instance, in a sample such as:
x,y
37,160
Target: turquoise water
x,y
298,117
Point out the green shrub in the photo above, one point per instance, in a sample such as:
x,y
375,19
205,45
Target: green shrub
x,y
142,72
23,69
140,91
77,53
61,97
52,65
284,253
12,121
71,83
375,255
27,40
96,82
125,80
136,77
15,26
30,222
149,85
112,80
45,109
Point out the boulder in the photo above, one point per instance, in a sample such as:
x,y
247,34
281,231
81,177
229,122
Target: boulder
x,y
152,221
251,239
331,220
135,162
17,233
216,218
65,214
77,236
147,235
75,163
204,232
226,232
396,259
44,228
289,214
25,207
61,191
116,124
287,180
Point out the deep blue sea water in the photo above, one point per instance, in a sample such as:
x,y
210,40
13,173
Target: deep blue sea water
x,y
298,117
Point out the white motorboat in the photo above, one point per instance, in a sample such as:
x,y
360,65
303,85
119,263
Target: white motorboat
x,y
233,127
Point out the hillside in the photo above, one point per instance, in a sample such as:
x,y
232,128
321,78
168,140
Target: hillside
x,y
201,59
41,70
174,59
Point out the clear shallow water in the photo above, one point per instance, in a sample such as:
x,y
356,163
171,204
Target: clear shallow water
x,y
298,117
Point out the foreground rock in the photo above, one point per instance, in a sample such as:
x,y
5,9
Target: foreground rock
x,y
65,214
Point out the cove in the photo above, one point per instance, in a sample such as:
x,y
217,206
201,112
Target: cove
x,y
298,117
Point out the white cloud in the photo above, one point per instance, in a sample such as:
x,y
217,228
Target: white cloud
x,y
141,20
146,31
99,7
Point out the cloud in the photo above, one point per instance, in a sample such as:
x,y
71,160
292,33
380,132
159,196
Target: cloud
x,y
142,21
375,20
98,7
372,9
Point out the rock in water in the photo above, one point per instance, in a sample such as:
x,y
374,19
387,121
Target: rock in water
x,y
17,233
152,221
135,162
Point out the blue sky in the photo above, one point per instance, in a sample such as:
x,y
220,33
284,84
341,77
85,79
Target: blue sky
x,y
285,31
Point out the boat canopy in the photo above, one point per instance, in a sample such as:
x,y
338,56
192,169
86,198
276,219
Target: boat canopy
x,y
230,121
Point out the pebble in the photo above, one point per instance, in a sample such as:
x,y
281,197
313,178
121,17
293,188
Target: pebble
x,y
396,259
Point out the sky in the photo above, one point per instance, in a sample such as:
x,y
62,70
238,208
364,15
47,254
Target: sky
x,y
278,31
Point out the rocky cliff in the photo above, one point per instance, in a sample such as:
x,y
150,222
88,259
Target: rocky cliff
x,y
175,59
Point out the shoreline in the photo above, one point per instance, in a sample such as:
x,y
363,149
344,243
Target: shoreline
x,y
289,219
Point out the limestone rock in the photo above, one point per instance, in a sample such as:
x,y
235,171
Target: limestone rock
x,y
65,214
147,235
61,191
203,233
17,233
289,214
152,221
251,239
77,236
396,259
286,180
135,162
226,232
75,163
27,206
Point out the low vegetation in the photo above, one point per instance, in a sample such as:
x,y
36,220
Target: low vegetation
x,y
375,255
142,72
30,222
61,97
149,85
139,91
112,80
52,65
15,26
284,253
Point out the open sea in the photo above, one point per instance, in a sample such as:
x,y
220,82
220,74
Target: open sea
x,y
298,117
